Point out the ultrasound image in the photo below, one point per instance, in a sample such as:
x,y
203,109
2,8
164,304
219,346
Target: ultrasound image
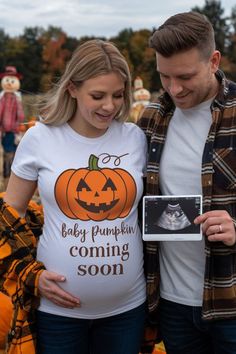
x,y
173,218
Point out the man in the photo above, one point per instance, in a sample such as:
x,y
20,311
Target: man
x,y
191,132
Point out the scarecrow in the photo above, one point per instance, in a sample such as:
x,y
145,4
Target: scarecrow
x,y
11,115
141,99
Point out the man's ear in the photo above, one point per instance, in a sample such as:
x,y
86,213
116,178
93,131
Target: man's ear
x,y
215,60
72,89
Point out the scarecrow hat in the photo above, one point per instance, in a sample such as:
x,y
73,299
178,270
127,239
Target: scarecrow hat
x,y
138,83
11,71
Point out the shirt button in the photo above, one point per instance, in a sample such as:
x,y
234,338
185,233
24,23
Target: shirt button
x,y
153,150
209,182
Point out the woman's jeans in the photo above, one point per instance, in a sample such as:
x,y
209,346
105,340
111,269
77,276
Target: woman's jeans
x,y
120,334
184,332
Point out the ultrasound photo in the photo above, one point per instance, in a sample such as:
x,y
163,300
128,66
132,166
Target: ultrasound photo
x,y
171,215
173,218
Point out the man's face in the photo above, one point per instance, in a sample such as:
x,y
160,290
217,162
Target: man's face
x,y
188,77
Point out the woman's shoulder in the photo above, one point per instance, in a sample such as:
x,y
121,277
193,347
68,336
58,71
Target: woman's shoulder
x,y
135,131
129,128
40,128
130,134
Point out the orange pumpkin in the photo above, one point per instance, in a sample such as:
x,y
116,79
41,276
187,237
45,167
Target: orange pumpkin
x,y
6,310
31,122
95,193
22,127
159,349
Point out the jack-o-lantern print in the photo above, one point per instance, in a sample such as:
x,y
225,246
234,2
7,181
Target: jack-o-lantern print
x,y
95,193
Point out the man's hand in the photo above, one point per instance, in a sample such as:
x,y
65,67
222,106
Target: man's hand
x,y
49,288
218,225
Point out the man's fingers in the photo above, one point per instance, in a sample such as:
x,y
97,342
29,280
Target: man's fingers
x,y
211,214
214,230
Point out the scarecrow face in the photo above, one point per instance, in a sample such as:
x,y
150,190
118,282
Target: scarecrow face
x,y
10,83
142,95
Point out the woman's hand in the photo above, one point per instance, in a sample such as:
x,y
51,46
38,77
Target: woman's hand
x,y
49,288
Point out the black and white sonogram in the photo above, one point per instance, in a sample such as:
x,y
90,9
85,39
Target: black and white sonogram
x,y
173,218
171,215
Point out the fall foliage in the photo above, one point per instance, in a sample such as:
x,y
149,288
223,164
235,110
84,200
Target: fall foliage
x,y
41,54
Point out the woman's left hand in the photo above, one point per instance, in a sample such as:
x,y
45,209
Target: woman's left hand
x,y
49,287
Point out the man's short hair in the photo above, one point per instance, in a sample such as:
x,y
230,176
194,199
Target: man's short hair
x,y
183,32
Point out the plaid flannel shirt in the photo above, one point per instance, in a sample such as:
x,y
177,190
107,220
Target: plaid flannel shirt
x,y
219,192
19,273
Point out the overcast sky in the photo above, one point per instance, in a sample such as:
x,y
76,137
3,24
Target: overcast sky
x,y
93,17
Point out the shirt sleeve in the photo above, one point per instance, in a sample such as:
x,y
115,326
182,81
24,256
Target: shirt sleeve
x,y
26,160
143,150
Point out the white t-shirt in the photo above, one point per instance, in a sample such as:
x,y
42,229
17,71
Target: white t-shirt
x,y
90,235
182,264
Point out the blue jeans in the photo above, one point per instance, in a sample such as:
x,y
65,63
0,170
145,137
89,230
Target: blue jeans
x,y
183,331
120,334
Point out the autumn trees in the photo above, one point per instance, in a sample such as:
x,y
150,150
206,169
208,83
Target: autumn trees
x,y
41,55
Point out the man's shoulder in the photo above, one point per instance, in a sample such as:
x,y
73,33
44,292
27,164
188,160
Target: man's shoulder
x,y
227,87
156,111
232,88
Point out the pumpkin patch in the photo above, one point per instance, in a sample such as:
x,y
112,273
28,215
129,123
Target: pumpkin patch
x,y
95,193
6,310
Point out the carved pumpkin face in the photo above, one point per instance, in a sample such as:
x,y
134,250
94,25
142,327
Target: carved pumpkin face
x,y
95,194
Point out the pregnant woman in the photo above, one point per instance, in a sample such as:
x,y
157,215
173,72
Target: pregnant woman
x,y
88,167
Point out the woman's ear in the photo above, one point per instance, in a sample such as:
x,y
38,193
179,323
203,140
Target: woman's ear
x,y
72,89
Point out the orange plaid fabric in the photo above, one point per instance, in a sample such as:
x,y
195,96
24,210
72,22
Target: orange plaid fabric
x,y
19,273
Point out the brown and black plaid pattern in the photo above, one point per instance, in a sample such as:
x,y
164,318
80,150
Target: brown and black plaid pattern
x,y
219,192
19,273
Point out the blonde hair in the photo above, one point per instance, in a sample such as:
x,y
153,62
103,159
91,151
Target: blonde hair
x,y
91,59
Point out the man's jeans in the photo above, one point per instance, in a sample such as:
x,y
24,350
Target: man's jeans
x,y
184,332
120,334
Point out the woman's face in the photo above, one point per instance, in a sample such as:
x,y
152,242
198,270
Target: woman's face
x,y
99,99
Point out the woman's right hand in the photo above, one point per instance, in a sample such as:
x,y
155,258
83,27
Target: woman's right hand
x,y
49,288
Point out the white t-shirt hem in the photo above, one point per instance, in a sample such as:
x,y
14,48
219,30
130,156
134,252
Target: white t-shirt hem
x,y
182,301
115,312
